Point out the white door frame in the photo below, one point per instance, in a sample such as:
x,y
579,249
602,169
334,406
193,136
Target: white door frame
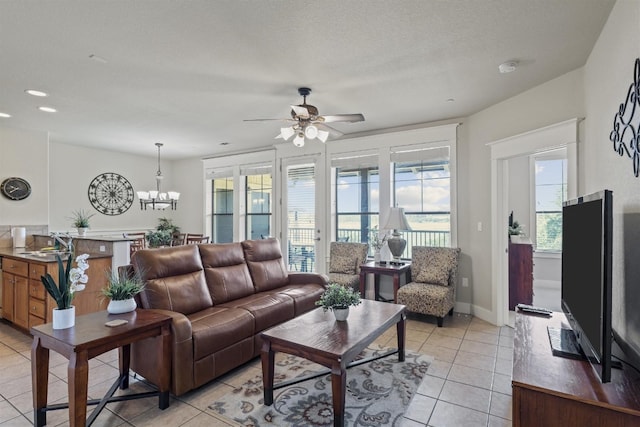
x,y
559,135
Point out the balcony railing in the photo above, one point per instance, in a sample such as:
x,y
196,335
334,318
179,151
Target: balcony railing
x,y
302,257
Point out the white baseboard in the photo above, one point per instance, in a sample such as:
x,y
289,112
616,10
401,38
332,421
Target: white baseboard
x,y
484,314
462,307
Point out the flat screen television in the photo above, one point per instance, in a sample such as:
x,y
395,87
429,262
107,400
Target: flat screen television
x,y
586,276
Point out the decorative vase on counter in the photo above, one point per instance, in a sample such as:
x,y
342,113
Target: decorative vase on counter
x,y
341,314
376,256
63,319
82,231
121,306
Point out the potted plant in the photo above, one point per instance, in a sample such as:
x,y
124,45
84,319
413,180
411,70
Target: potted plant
x,y
121,290
80,220
70,281
163,234
339,298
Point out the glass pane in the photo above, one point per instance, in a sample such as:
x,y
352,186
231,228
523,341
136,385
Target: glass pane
x,y
259,190
549,231
223,228
423,189
301,191
258,226
358,202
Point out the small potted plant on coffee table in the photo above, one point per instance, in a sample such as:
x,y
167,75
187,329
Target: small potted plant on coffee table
x,y
121,290
338,298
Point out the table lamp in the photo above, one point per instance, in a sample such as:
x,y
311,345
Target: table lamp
x,y
397,221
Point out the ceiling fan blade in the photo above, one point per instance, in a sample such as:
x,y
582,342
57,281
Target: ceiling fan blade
x,y
269,120
335,133
351,118
301,112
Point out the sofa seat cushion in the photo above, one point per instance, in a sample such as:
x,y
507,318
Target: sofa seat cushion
x,y
268,309
217,328
304,296
226,272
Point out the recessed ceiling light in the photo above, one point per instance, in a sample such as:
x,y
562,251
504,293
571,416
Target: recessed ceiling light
x,y
34,92
450,100
5,115
225,143
47,109
508,67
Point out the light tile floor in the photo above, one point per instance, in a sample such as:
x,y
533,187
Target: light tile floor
x,y
468,384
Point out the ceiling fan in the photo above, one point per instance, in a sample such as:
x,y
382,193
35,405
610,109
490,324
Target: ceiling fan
x,y
307,123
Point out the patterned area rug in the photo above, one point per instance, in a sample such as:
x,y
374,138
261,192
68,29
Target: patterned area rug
x,y
378,393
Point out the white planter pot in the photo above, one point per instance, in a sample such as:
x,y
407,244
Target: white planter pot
x,y
341,314
63,319
122,306
82,231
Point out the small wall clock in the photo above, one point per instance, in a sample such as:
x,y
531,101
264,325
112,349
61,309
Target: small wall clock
x,y
111,193
15,188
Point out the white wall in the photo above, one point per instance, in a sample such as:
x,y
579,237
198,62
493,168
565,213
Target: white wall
x,y
552,102
189,180
25,154
609,72
72,169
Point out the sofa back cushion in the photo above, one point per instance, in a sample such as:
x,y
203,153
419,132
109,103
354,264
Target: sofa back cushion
x,y
174,279
265,263
226,272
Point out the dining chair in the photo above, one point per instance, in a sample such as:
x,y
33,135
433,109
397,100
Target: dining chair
x,y
194,240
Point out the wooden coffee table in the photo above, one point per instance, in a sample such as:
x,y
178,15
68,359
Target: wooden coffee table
x,y
86,340
318,337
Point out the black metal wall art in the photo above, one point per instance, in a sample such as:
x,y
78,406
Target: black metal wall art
x,y
111,193
626,123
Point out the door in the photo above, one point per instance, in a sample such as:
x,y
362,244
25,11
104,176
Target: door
x,y
300,223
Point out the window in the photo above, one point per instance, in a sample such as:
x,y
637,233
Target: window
x,y
357,196
422,187
222,218
550,191
259,191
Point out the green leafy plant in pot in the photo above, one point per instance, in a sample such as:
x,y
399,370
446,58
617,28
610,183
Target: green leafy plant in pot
x,y
338,298
70,280
80,220
121,289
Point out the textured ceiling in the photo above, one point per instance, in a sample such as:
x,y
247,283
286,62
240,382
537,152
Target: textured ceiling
x,y
186,73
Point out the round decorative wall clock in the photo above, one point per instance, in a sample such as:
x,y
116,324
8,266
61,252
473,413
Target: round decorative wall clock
x,y
111,193
15,188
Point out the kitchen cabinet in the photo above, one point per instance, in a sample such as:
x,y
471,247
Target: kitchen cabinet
x,y
26,303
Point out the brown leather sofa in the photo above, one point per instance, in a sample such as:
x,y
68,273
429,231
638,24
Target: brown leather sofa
x,y
220,297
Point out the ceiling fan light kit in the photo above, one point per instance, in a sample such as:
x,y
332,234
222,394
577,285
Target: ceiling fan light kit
x,y
309,124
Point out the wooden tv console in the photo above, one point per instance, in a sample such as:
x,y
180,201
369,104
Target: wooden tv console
x,y
555,391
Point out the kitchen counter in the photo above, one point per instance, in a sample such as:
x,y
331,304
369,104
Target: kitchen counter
x,y
29,255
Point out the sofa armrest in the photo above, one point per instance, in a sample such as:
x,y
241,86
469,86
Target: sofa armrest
x,y
144,355
303,278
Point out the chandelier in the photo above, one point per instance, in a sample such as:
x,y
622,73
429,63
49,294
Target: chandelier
x,y
155,198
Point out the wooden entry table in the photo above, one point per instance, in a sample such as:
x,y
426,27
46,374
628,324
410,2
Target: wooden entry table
x,y
89,338
319,337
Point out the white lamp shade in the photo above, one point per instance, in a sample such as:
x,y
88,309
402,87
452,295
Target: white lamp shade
x,y
163,196
396,220
173,195
311,132
287,133
323,135
153,194
298,141
143,195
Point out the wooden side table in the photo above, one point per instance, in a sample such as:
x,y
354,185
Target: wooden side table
x,y
377,270
89,338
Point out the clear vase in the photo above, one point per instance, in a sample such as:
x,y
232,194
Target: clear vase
x,y
63,319
376,256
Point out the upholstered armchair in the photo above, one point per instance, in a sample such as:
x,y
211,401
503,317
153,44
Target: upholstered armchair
x,y
432,289
344,263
